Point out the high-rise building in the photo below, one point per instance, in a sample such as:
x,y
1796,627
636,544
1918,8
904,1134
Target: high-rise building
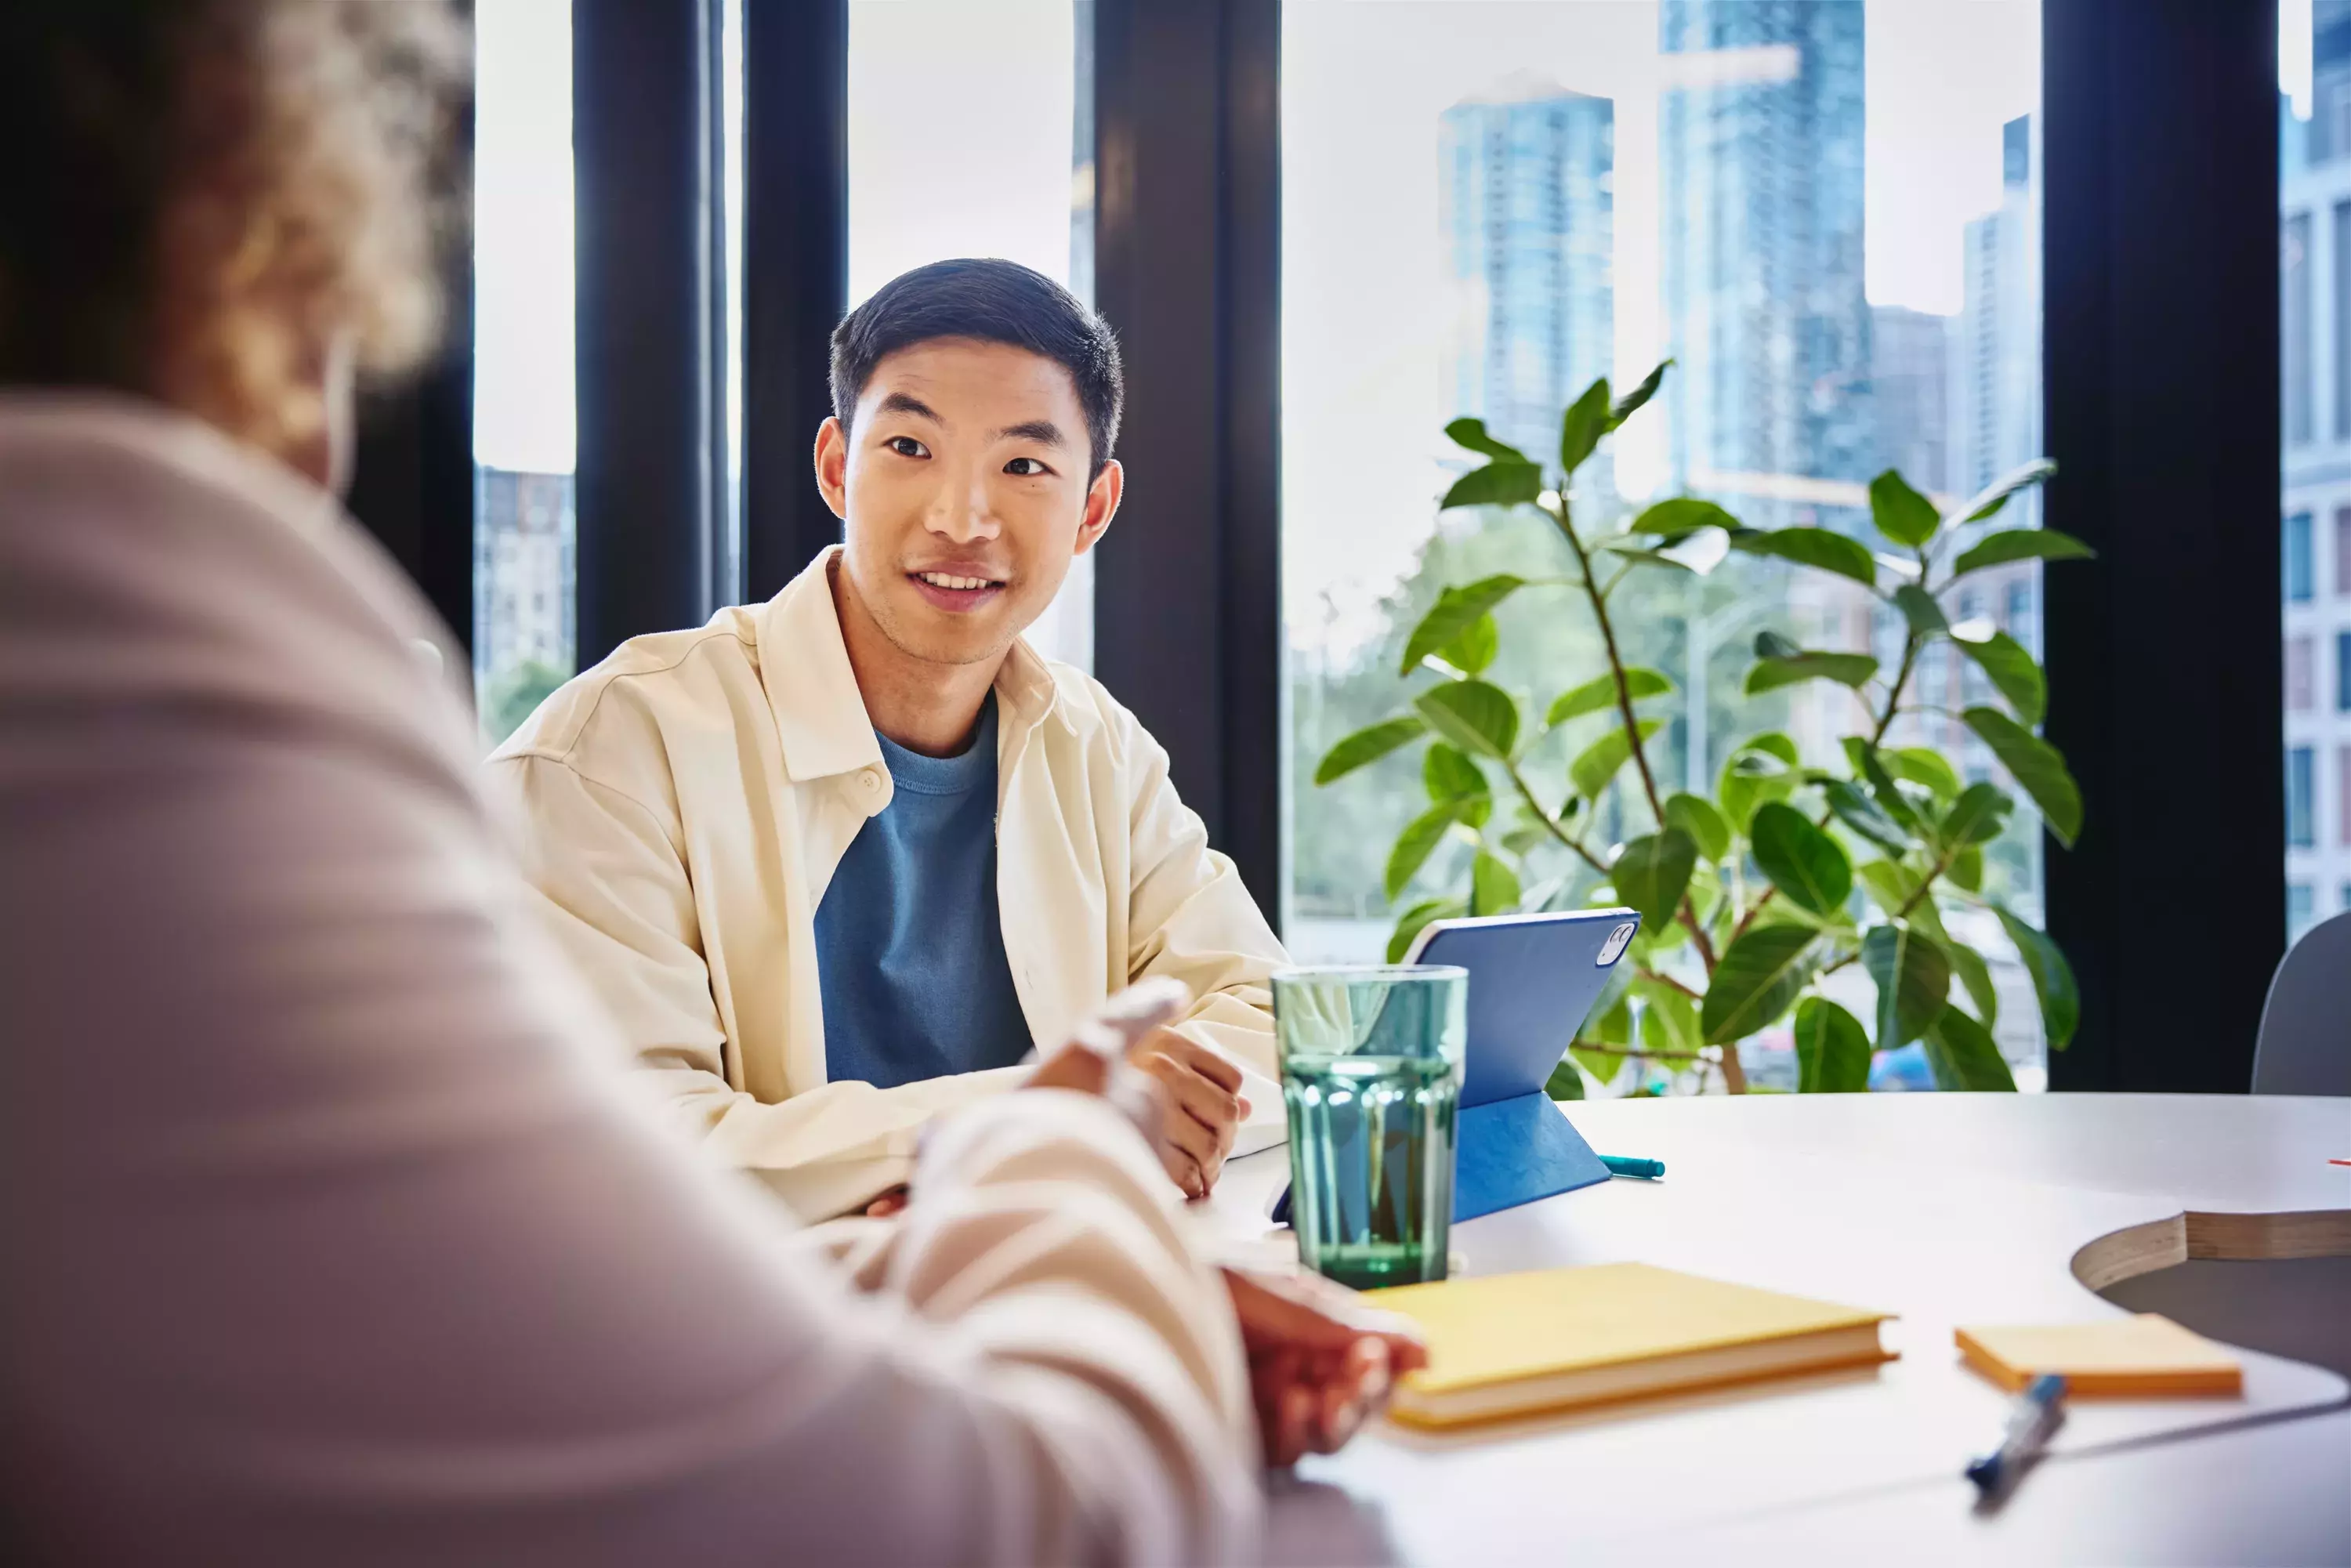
x,y
1524,177
1996,348
2314,343
1761,151
1909,376
523,632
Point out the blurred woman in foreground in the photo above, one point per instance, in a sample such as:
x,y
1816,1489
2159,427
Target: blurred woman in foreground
x,y
327,1235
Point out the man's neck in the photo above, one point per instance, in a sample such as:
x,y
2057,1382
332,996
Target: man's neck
x,y
928,709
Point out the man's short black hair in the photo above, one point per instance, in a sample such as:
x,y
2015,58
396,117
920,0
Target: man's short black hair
x,y
991,301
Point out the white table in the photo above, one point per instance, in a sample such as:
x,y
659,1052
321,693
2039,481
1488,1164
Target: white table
x,y
1945,1209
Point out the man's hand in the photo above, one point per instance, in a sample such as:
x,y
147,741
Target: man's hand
x,y
1320,1360
1204,1107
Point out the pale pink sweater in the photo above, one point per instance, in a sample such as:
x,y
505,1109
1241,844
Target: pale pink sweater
x,y
328,1231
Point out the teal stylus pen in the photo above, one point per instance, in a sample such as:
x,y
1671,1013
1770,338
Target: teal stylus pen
x,y
1649,1170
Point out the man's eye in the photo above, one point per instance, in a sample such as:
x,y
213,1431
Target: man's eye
x,y
1026,468
906,446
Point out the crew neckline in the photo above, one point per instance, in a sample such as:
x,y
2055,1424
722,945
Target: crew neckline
x,y
956,775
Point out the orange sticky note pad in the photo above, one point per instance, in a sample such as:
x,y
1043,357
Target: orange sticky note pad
x,y
2134,1357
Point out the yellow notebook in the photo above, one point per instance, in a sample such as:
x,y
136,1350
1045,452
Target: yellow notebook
x,y
1510,1344
2126,1357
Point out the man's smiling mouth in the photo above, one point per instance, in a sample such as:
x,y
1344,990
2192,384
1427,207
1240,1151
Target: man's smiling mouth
x,y
949,580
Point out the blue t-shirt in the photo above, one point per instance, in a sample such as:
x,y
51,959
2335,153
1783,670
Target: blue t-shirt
x,y
909,947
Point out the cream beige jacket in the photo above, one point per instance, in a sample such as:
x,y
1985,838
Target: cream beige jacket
x,y
330,1230
683,806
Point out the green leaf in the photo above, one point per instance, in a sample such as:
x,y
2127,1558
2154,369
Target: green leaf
x,y
1668,1017
1802,862
1775,645
1756,980
1918,608
1870,765
2011,668
2053,978
1914,980
1611,1024
1593,695
1994,496
1474,650
2038,765
1845,669
1498,483
1420,836
1759,769
1816,548
1978,816
1652,872
1832,1049
1962,1055
1695,815
1450,775
1859,812
1683,515
1894,886
1409,925
1473,716
1634,555
1630,403
1591,772
1976,976
1967,869
2020,544
1921,765
1493,886
1367,746
1583,425
1901,512
1565,1082
1455,610
1472,433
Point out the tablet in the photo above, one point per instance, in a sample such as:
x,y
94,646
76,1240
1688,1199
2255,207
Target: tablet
x,y
1533,980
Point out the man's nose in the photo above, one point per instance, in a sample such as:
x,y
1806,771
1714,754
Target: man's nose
x,y
961,510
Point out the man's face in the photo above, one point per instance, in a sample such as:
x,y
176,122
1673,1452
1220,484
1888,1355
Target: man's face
x,y
963,484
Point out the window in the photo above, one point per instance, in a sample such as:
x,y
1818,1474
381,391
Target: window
x,y
2343,672
2347,897
2299,910
2297,673
2301,789
2296,564
2343,529
2342,792
970,134
1486,207
523,411
2339,301
2293,307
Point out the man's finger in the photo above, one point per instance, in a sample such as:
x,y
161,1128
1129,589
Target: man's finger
x,y
1191,1054
1216,1106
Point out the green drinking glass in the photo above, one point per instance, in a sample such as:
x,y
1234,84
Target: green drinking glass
x,y
1371,1072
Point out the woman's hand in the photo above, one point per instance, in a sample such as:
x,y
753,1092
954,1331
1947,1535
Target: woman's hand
x,y
1320,1360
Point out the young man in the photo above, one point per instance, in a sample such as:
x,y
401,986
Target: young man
x,y
838,860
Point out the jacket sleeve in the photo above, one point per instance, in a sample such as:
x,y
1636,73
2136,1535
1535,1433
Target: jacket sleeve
x,y
1189,915
614,892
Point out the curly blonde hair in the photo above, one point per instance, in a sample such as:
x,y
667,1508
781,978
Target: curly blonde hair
x,y
201,198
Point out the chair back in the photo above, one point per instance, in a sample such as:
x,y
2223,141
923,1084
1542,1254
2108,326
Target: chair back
x,y
2304,1045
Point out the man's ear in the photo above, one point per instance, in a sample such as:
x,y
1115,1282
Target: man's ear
x,y
1101,505
832,467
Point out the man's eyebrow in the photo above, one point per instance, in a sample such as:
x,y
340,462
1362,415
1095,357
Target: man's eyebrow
x,y
1044,431
906,403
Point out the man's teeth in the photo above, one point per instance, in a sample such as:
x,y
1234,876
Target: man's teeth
x,y
943,579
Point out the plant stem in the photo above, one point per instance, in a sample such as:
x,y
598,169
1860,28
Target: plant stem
x,y
1662,978
1638,1050
1527,793
1687,914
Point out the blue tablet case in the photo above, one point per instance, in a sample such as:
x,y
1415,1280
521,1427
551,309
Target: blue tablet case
x,y
1533,980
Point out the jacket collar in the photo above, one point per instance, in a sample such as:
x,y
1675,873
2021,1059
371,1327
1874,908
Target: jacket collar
x,y
820,714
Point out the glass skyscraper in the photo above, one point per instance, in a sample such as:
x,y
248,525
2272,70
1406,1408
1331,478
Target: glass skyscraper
x,y
1525,169
1761,146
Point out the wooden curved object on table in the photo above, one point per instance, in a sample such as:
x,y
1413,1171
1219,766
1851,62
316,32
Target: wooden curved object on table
x,y
2241,1238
